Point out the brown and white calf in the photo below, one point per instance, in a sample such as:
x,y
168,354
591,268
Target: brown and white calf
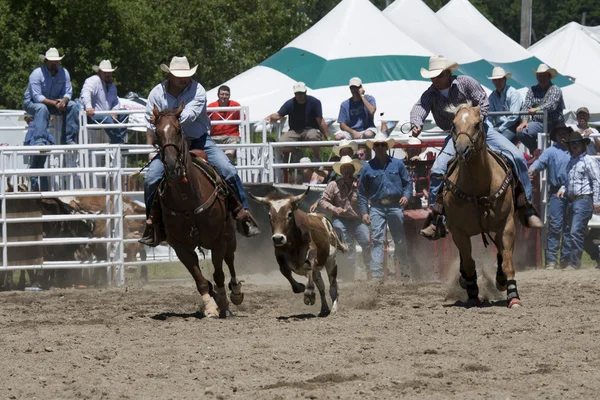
x,y
304,244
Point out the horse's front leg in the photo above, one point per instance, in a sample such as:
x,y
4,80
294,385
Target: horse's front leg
x,y
505,249
217,255
190,260
468,273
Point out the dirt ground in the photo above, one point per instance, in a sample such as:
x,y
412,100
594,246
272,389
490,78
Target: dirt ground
x,y
392,340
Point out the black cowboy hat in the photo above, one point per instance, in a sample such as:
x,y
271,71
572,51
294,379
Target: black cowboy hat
x,y
576,137
568,130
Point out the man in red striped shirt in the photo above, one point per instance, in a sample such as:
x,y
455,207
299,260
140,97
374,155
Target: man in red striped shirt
x,y
225,134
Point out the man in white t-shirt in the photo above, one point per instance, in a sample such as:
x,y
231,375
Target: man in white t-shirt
x,y
583,118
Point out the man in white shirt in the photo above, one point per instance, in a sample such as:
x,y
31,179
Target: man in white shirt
x,y
583,119
99,93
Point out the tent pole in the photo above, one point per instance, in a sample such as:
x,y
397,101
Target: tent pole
x,y
526,23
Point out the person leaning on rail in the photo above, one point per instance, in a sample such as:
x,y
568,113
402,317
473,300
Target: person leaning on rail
x,y
305,120
169,95
50,92
449,90
99,93
555,159
543,96
225,134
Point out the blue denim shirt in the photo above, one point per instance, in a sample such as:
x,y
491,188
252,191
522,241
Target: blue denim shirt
x,y
42,85
508,100
382,181
194,119
555,159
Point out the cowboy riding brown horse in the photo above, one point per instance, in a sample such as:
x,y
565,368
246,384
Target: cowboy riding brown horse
x,y
195,213
478,199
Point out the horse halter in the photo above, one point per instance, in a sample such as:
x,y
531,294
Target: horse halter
x,y
181,154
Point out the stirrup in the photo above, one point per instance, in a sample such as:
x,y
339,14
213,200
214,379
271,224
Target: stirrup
x,y
434,227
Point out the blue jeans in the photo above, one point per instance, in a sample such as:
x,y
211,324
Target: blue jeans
x,y
529,135
350,230
116,135
557,209
41,117
38,162
216,157
380,215
579,213
496,142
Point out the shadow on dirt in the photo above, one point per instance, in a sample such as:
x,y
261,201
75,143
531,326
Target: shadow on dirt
x,y
483,304
296,317
166,315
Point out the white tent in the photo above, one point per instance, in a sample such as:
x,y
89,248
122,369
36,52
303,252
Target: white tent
x,y
354,39
574,50
482,36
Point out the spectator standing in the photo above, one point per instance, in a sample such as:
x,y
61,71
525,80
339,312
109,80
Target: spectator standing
x,y
225,134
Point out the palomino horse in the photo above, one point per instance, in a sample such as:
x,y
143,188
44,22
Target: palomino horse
x,y
478,199
195,214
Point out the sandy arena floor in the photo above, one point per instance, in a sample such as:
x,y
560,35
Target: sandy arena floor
x,y
388,341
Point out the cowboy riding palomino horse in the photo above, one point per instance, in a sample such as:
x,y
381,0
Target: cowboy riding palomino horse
x,y
195,212
478,199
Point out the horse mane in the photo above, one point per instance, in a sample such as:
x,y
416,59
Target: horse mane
x,y
169,112
455,109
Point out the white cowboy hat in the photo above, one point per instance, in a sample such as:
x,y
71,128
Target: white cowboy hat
x,y
381,138
543,68
437,65
51,55
345,143
499,73
105,66
347,160
179,67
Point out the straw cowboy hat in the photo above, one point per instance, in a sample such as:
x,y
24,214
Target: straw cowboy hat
x,y
105,66
560,128
543,68
344,144
437,65
51,55
499,73
179,67
381,138
347,160
576,137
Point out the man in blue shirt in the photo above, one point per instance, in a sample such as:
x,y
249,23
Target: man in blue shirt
x,y
177,89
385,186
49,92
99,93
504,98
306,121
555,159
356,114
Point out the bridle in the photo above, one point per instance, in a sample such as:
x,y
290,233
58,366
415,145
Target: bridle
x,y
473,139
181,150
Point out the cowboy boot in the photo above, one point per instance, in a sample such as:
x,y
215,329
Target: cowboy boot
x,y
246,224
154,232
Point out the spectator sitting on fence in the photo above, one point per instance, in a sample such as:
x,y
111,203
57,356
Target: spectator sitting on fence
x,y
555,159
305,120
504,98
99,93
312,175
543,96
583,127
37,161
356,114
50,92
225,134
583,193
340,198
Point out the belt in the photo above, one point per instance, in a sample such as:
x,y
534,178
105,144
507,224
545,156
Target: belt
x,y
388,201
579,197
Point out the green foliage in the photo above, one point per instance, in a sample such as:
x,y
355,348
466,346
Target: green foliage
x,y
224,37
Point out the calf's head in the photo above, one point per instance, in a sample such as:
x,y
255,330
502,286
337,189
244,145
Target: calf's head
x,y
281,214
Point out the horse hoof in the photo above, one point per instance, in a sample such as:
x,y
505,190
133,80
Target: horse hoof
x,y
324,314
309,298
300,288
237,299
224,314
514,303
476,302
500,287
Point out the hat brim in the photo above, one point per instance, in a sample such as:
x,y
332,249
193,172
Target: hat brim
x,y
44,58
567,130
507,76
337,167
553,73
336,149
97,68
179,73
585,140
390,143
427,74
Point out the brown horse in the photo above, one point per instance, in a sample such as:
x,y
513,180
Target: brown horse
x,y
195,213
478,199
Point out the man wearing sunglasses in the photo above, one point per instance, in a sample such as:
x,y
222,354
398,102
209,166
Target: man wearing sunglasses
x,y
383,191
583,193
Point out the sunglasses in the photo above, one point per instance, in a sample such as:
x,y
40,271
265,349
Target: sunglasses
x,y
575,142
361,154
380,144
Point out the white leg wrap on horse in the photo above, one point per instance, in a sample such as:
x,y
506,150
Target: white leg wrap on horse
x,y
210,307
334,307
